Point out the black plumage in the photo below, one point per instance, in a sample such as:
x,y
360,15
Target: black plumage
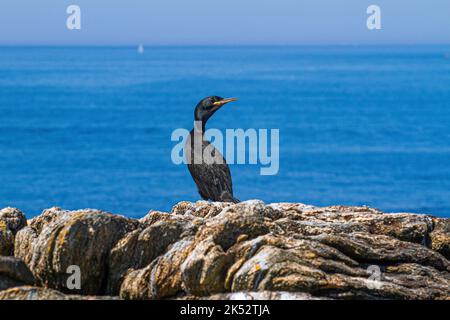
x,y
206,164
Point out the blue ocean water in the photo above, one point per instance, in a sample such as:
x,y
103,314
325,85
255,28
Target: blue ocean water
x,y
91,127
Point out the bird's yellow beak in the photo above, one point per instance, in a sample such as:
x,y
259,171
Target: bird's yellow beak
x,y
224,101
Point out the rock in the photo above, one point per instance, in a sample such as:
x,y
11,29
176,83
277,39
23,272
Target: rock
x,y
23,244
201,209
13,272
261,295
440,236
311,221
26,238
11,221
316,252
382,249
31,293
36,293
140,247
160,279
248,250
59,239
205,268
6,241
307,266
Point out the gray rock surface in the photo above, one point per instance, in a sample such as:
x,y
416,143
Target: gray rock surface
x,y
11,221
261,295
14,272
248,250
37,293
59,239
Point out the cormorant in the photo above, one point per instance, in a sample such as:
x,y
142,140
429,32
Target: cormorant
x,y
206,164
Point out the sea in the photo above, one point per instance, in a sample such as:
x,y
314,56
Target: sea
x,y
90,127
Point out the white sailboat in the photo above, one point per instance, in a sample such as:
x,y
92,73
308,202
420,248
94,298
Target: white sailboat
x,y
141,49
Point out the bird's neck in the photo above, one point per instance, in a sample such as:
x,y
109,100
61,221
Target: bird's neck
x,y
199,126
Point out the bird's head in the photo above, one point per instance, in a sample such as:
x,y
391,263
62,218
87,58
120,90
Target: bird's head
x,y
208,106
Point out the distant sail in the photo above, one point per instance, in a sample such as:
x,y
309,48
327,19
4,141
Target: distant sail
x,y
141,49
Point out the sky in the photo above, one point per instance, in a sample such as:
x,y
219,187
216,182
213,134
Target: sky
x,y
229,22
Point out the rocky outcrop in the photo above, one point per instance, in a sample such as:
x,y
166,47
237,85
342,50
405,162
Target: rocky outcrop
x,y
59,239
142,246
248,250
37,293
261,295
14,272
31,293
11,221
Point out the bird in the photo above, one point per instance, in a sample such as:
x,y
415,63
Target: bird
x,y
206,164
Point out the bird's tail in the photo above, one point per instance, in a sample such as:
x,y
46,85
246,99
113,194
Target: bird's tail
x,y
228,197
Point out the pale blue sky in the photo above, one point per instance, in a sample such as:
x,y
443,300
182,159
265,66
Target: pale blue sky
x,y
112,22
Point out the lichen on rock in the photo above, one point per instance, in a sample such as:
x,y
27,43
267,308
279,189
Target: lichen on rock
x,y
14,272
251,250
59,239
11,221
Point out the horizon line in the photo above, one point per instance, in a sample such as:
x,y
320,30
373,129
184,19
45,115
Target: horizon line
x,y
225,44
